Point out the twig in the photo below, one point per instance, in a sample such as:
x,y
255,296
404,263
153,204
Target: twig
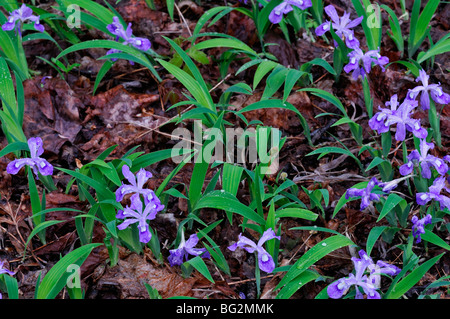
x,y
247,280
182,18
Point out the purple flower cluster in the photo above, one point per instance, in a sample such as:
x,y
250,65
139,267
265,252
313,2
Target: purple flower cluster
x,y
361,63
136,212
265,260
425,160
186,248
118,30
365,193
418,227
399,115
426,90
21,15
369,284
341,26
136,184
285,7
35,162
434,192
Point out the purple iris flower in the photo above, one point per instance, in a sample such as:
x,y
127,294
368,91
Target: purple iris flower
x,y
186,248
118,30
136,184
22,14
137,213
389,186
366,193
357,57
418,227
36,163
369,284
426,90
285,7
400,116
425,160
4,270
341,26
265,260
435,193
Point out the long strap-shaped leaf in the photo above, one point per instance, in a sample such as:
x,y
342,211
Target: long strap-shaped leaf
x,y
225,201
409,281
55,280
138,55
314,254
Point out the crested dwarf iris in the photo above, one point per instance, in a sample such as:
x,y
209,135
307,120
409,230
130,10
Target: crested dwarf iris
x,y
136,184
22,15
35,162
366,193
426,90
3,270
418,227
285,7
369,284
399,115
265,260
361,63
137,213
434,192
425,160
341,25
118,30
186,248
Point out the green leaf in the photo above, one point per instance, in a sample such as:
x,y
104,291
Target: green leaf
x,y
219,11
396,31
12,288
14,147
409,281
431,237
314,254
41,227
226,43
296,213
374,234
7,90
298,282
263,68
101,73
226,201
102,13
274,81
99,188
56,278
135,54
327,96
440,47
231,177
392,201
332,149
198,263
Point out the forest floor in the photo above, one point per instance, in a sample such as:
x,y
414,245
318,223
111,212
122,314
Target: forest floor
x,y
129,109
